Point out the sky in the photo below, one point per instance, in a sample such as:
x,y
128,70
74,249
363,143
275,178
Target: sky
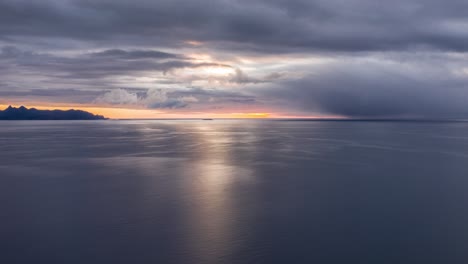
x,y
237,58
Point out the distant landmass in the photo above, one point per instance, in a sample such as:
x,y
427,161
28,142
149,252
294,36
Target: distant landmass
x,y
23,113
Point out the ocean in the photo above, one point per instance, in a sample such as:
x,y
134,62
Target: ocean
x,y
233,191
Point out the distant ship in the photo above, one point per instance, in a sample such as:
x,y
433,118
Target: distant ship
x,y
207,119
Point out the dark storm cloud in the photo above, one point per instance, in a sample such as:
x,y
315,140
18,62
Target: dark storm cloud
x,y
373,88
278,25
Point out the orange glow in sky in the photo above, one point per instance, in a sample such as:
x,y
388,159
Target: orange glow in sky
x,y
128,113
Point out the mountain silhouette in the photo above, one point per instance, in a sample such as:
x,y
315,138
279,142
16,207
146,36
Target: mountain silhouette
x,y
23,113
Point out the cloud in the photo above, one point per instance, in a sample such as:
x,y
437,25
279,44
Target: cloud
x,y
217,97
118,96
133,54
102,72
97,65
240,77
154,98
357,58
367,87
258,25
158,98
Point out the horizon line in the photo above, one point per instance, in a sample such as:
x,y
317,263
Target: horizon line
x,y
240,116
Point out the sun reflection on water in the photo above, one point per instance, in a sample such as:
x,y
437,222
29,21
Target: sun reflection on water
x,y
214,177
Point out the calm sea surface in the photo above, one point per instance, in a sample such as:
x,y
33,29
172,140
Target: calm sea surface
x,y
233,192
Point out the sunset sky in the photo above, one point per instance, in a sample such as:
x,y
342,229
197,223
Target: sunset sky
x,y
237,58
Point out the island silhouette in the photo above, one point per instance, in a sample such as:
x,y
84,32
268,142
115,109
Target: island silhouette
x,y
23,113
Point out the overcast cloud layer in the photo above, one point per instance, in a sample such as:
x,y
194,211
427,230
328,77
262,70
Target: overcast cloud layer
x,y
359,58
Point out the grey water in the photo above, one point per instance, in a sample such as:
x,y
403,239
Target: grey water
x,y
233,191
